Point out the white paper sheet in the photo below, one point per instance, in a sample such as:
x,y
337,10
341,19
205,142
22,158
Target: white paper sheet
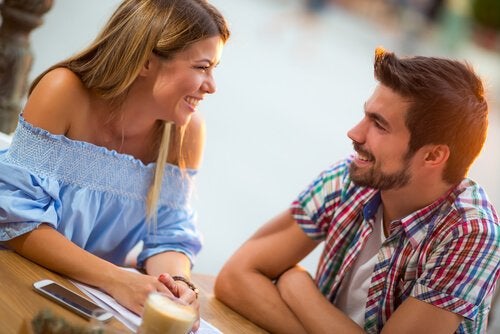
x,y
128,318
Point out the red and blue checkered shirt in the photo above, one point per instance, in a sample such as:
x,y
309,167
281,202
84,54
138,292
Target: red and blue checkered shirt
x,y
446,254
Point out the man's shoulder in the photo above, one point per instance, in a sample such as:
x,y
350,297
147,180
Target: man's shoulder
x,y
336,179
339,170
471,202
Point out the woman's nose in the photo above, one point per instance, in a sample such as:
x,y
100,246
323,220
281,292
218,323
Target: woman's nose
x,y
209,85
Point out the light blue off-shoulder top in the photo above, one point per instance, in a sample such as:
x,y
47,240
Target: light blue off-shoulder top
x,y
93,196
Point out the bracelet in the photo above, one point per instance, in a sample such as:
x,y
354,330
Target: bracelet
x,y
188,283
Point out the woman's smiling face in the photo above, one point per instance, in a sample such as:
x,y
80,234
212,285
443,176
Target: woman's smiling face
x,y
179,84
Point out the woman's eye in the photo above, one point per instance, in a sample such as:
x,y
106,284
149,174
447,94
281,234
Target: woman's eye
x,y
203,68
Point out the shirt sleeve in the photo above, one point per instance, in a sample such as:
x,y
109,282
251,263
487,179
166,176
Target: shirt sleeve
x,y
176,228
462,270
314,208
26,201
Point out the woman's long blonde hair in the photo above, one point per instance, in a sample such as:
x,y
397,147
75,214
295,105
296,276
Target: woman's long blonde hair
x,y
109,66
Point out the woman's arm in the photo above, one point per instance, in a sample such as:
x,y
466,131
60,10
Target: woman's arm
x,y
49,248
168,264
172,263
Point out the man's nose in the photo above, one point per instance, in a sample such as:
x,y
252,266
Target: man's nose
x,y
357,133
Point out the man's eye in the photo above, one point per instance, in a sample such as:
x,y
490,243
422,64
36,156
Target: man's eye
x,y
379,126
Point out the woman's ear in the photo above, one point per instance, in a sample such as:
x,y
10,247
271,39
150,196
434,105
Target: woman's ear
x,y
437,154
146,68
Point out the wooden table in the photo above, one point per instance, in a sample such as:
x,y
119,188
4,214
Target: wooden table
x,y
19,302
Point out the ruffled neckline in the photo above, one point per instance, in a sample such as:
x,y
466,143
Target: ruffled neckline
x,y
93,147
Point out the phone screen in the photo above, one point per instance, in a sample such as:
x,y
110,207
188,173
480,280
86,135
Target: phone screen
x,y
68,298
71,298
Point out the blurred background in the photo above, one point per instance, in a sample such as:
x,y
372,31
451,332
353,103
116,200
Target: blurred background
x,y
292,81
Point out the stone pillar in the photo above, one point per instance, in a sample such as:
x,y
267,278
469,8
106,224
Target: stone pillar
x,y
19,18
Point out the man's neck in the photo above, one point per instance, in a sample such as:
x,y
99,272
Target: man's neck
x,y
398,203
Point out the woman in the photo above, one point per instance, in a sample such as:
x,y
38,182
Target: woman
x,y
105,150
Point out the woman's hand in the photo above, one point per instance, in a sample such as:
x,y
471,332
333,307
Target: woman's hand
x,y
182,291
131,289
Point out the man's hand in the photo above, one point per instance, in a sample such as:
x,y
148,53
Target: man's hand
x,y
314,311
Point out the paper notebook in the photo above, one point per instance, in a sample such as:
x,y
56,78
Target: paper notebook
x,y
125,316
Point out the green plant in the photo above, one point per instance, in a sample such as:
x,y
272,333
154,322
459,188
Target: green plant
x,y
487,13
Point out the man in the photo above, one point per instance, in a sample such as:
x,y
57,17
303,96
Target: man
x,y
411,245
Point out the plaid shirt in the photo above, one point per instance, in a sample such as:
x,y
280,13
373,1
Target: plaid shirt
x,y
446,254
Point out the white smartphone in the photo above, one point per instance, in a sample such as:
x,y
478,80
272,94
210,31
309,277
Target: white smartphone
x,y
70,300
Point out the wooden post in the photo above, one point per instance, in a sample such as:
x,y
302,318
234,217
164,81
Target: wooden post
x,y
19,18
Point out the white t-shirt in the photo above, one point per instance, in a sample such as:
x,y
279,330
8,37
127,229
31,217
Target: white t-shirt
x,y
353,291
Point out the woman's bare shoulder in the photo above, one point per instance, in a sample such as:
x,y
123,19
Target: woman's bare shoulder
x,y
57,98
193,143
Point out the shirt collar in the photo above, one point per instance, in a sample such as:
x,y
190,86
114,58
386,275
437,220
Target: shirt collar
x,y
417,224
371,207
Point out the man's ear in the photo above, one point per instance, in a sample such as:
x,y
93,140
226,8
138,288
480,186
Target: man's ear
x,y
437,154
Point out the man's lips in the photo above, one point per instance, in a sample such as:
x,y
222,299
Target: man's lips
x,y
362,155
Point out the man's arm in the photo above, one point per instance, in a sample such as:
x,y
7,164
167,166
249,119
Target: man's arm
x,y
315,312
416,316
318,315
245,283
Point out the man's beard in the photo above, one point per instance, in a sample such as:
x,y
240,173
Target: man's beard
x,y
373,178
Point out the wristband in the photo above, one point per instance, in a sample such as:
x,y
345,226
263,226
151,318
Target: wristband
x,y
188,283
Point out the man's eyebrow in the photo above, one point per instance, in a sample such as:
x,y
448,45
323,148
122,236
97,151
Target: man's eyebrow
x,y
377,117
